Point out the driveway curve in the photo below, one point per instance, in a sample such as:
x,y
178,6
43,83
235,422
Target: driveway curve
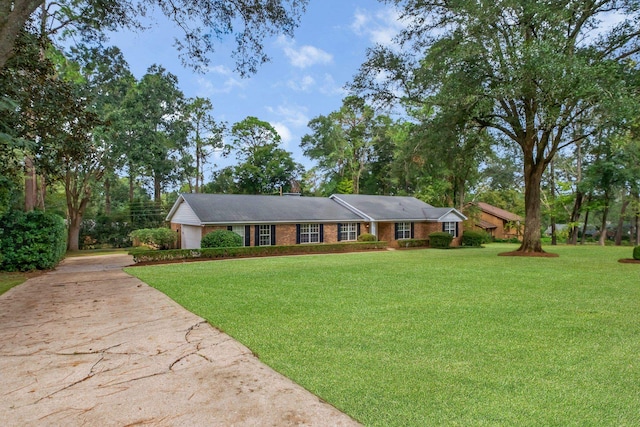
x,y
87,344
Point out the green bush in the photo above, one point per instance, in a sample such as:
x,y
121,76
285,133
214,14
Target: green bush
x,y
636,252
105,230
31,241
440,239
142,255
413,243
366,237
221,239
157,238
474,238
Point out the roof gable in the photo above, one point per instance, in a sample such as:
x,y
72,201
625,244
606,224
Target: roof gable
x,y
396,208
499,213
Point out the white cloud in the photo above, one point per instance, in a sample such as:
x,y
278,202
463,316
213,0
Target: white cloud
x,y
379,27
330,87
207,87
284,132
292,115
303,84
304,56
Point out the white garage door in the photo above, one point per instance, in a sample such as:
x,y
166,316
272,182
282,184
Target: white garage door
x,y
191,237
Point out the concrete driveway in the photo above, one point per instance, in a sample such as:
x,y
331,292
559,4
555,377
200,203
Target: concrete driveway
x,y
87,344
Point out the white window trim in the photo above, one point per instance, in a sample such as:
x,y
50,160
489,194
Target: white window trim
x,y
264,235
348,230
239,230
404,231
309,233
451,228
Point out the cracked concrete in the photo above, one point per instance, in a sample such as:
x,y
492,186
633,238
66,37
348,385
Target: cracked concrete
x,y
87,344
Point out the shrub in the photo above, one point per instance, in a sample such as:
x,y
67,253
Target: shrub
x,y
31,241
142,255
221,239
157,238
112,231
413,243
366,237
474,238
636,252
440,239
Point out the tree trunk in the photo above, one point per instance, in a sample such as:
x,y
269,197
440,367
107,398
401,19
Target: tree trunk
x,y
30,192
603,226
41,192
552,185
584,227
13,16
621,222
532,179
575,216
157,190
73,242
107,196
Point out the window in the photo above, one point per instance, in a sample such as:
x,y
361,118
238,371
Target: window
x,y
349,231
451,228
403,230
264,237
239,230
309,233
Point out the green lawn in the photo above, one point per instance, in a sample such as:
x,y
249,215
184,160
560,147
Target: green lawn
x,y
9,280
433,337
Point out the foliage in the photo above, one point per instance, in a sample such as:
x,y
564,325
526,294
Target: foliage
x,y
247,24
157,238
426,338
474,238
413,243
440,239
221,239
252,251
636,252
367,237
112,231
31,241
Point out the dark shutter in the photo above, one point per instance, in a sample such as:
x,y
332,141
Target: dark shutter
x,y
297,234
339,232
229,227
395,233
358,230
412,229
443,229
257,235
247,235
273,235
457,229
321,233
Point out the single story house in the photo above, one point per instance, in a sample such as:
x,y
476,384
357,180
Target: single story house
x,y
499,223
293,219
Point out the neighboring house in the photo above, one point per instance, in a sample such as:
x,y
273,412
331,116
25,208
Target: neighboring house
x,y
500,224
289,220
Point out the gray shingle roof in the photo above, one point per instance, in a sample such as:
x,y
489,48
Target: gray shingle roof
x,y
238,208
392,208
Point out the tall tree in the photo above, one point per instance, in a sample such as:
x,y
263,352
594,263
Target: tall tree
x,y
248,22
525,70
205,135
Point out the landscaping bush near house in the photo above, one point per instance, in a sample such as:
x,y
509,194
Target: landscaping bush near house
x,y
474,238
221,239
141,255
636,253
31,241
413,243
440,239
366,237
156,238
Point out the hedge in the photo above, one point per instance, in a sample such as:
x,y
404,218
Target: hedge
x,y
440,239
636,252
31,241
413,243
474,238
141,255
159,238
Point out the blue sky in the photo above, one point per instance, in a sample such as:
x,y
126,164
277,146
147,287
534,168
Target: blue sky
x,y
305,78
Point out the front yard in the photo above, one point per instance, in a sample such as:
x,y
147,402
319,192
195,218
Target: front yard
x,y
433,337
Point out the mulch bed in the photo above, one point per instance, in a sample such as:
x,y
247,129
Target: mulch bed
x,y
629,261
530,254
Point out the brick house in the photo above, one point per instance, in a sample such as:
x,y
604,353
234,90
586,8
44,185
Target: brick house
x,y
289,220
499,223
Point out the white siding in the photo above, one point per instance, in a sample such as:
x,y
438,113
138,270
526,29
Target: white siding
x,y
191,237
185,215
